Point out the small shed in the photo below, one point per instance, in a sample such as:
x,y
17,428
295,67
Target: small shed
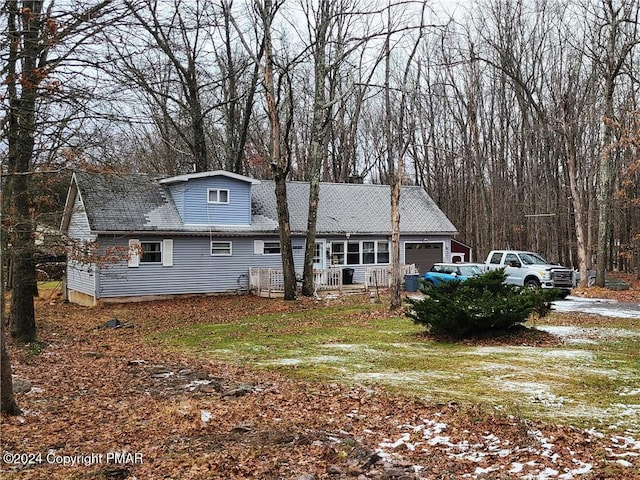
x,y
460,252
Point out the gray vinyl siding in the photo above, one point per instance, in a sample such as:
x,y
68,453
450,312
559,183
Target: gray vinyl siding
x,y
79,228
80,277
191,201
194,269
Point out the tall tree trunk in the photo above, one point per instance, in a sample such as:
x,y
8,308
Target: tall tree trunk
x,y
318,142
279,162
396,180
604,185
620,32
576,197
23,114
8,405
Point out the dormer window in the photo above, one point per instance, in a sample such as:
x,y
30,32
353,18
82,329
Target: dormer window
x,y
217,195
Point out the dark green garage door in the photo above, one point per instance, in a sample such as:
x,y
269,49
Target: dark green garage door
x,y
423,255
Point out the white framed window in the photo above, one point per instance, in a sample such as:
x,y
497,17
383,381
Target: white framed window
x,y
151,252
271,248
365,252
368,252
217,195
353,253
382,252
221,249
337,253
156,251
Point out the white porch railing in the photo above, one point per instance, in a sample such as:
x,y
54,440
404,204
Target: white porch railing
x,y
269,281
380,277
266,281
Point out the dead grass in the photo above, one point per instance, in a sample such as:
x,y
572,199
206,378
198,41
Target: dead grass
x,y
98,390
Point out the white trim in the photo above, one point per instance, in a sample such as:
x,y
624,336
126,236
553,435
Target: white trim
x,y
258,247
345,253
215,173
272,241
218,201
133,259
323,253
167,252
158,242
221,254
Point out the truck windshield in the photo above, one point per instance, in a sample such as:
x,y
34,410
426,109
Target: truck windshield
x,y
532,259
469,270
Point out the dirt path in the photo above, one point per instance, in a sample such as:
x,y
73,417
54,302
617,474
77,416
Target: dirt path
x,y
110,404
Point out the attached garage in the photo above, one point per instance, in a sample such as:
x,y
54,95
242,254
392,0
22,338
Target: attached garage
x,y
423,254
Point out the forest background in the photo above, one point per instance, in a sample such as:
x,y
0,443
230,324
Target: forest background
x,y
520,118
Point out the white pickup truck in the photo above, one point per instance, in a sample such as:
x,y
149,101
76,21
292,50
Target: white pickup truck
x,y
531,270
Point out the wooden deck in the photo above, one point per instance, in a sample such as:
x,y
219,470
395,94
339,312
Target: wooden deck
x,y
269,282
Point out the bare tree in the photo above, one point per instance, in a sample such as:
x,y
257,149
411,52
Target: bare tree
x,y
8,405
397,135
279,160
616,35
163,55
33,31
318,143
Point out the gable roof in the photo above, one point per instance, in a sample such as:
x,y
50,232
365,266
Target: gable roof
x,y
132,203
354,208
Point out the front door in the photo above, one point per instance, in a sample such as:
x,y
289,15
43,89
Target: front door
x,y
319,257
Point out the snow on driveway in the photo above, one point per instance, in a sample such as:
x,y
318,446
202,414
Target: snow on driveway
x,y
598,306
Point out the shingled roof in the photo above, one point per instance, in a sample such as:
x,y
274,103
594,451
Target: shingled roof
x,y
355,208
141,203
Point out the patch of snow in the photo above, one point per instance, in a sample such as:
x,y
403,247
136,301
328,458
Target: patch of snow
x,y
343,346
530,351
286,361
628,392
205,416
482,471
492,446
588,333
401,441
537,392
195,384
584,468
609,308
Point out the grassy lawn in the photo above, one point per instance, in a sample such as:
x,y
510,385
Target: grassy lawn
x,y
590,379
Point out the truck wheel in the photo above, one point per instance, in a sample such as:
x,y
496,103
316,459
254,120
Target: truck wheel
x,y
428,284
532,283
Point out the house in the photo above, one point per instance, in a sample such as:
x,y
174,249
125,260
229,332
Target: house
x,y
203,233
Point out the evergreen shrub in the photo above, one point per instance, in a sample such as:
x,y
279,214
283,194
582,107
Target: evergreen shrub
x,y
481,303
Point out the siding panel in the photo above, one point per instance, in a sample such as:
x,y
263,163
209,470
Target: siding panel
x,y
194,269
191,200
79,228
81,278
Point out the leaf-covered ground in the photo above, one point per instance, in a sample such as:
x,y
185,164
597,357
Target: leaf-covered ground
x,y
116,405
